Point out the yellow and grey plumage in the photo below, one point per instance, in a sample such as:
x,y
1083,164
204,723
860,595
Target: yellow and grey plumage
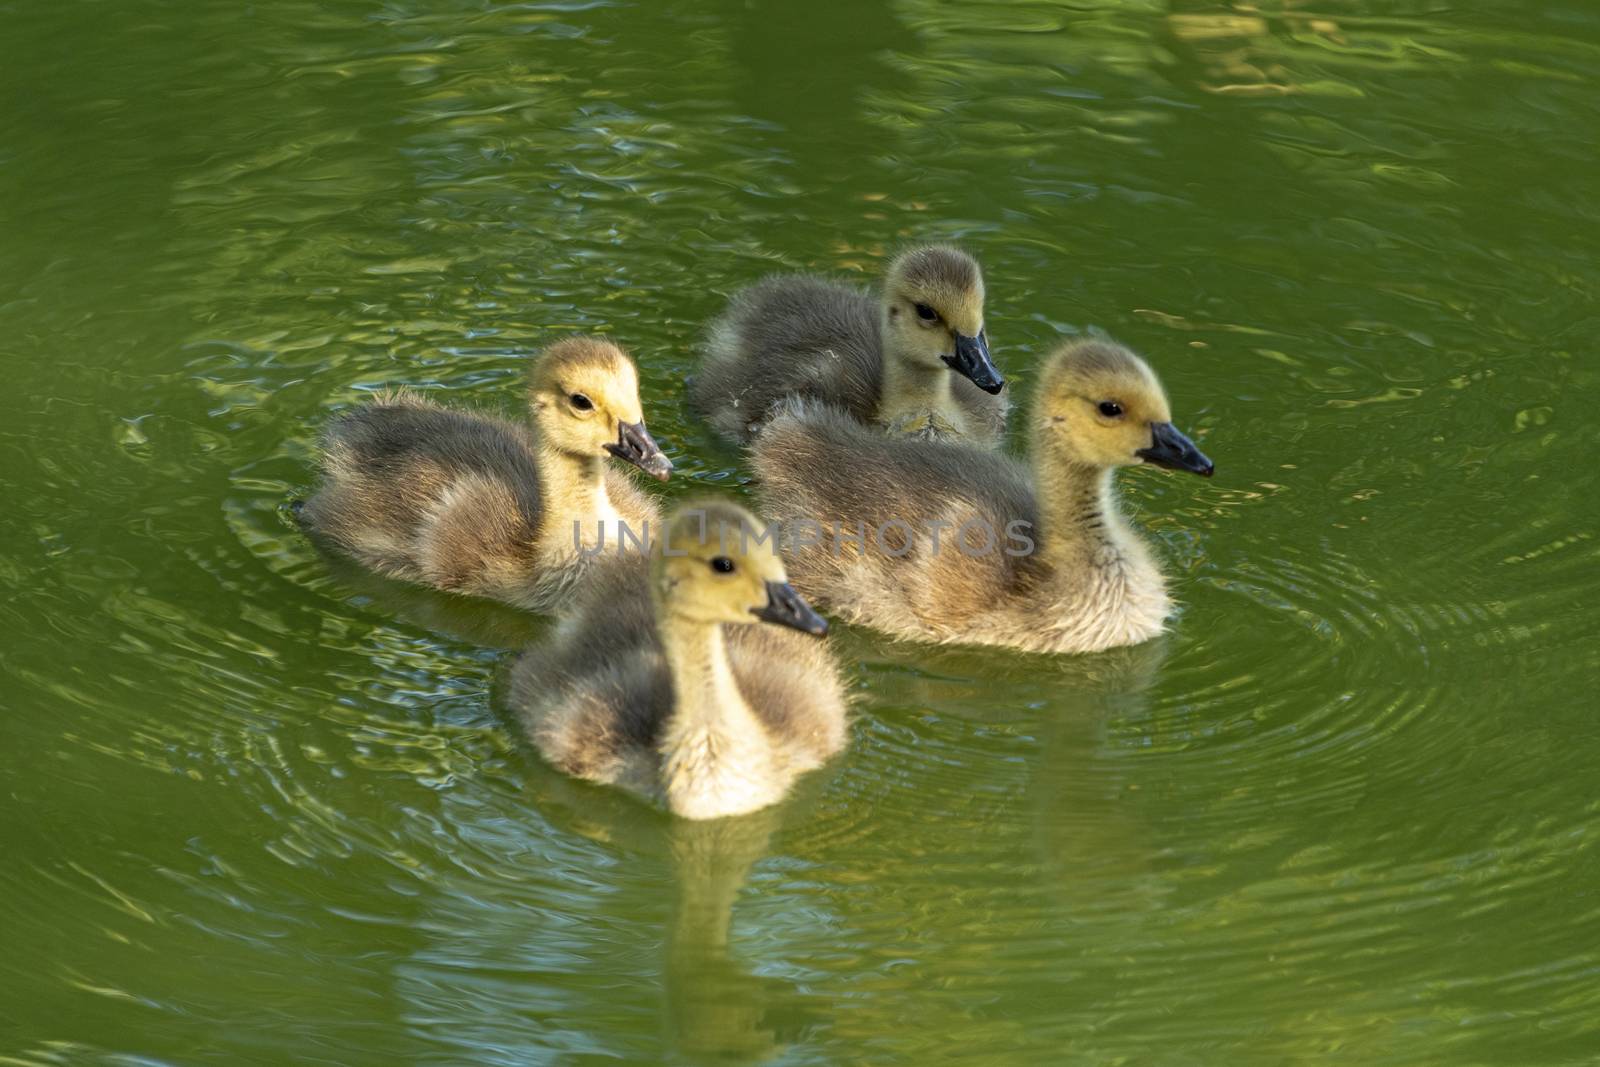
x,y
1048,562
661,680
474,504
874,356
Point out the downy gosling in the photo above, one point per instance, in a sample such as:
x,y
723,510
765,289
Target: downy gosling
x,y
914,360
481,506
966,546
662,682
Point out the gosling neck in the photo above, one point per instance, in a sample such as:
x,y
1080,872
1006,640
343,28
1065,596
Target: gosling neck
x,y
1081,526
1108,586
575,497
715,758
702,679
912,389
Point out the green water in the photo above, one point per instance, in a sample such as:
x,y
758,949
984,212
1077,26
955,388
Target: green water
x,y
254,809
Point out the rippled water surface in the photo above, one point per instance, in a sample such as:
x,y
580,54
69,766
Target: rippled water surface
x,y
257,809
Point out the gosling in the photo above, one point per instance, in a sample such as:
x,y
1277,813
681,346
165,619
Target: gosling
x,y
1032,556
661,682
476,505
914,361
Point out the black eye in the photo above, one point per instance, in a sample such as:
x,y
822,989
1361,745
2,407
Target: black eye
x,y
722,565
926,313
581,402
1111,409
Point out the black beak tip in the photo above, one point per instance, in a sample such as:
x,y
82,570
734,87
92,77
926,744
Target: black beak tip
x,y
635,445
1171,449
986,378
816,626
1197,462
786,607
658,467
972,361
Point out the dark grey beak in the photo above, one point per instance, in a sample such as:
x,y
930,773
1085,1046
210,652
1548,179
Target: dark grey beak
x,y
972,361
1172,449
788,608
635,445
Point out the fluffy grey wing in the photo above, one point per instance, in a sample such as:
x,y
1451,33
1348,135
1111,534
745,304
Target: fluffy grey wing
x,y
789,336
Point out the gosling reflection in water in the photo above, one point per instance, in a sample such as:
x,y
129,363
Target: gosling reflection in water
x,y
712,1007
1044,749
470,620
715,1008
